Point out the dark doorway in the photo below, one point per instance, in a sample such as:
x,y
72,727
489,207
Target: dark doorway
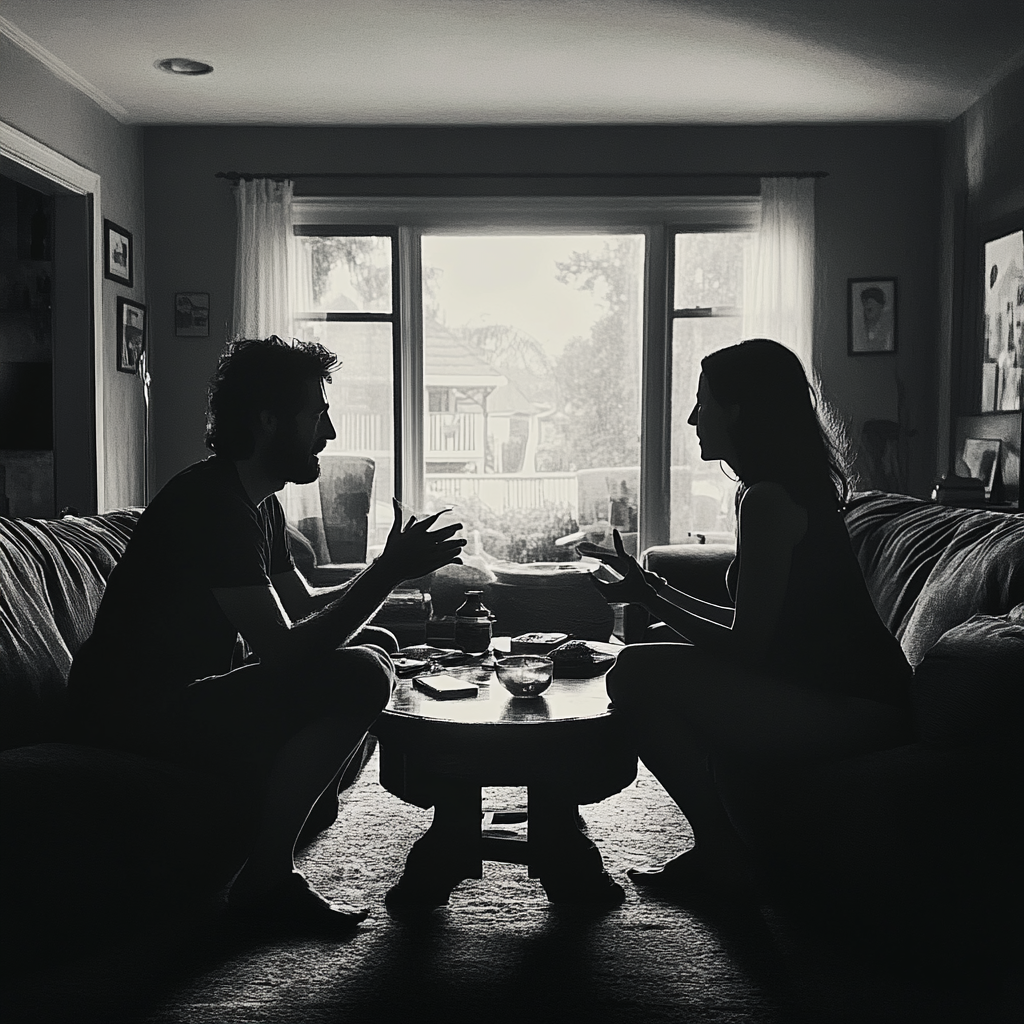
x,y
47,427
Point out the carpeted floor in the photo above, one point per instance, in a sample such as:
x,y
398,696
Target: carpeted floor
x,y
500,952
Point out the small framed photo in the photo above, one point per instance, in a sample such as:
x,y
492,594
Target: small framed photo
x,y
192,314
871,315
981,456
120,254
131,334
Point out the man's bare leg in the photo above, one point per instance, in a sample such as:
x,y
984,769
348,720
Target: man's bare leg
x,y
307,764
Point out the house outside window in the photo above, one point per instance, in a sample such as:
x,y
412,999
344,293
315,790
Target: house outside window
x,y
529,365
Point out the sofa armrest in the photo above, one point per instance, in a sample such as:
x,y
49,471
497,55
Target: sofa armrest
x,y
697,569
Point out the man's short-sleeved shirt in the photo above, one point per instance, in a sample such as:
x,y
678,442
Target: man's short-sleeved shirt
x,y
159,627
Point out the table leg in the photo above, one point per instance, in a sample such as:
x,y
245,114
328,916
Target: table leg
x,y
448,852
567,862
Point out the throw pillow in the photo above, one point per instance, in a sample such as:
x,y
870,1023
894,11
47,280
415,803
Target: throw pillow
x,y
970,686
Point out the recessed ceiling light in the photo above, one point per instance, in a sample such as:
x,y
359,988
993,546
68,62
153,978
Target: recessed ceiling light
x,y
184,66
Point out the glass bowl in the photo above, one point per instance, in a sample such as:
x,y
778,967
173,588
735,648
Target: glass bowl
x,y
524,675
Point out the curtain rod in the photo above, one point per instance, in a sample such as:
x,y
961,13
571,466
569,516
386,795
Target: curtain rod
x,y
282,175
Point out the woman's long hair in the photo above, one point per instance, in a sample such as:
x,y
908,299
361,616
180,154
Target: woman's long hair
x,y
780,433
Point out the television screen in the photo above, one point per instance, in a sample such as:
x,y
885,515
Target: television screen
x,y
26,406
1003,323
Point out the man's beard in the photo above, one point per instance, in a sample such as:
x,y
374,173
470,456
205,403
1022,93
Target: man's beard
x,y
292,462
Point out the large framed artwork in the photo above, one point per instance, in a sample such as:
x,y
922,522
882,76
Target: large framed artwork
x,y
871,315
1002,317
118,254
131,334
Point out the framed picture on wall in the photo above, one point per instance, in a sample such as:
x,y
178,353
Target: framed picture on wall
x,y
192,314
981,456
871,315
131,334
119,254
1002,320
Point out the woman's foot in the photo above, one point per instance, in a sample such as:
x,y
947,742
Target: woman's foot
x,y
293,905
695,872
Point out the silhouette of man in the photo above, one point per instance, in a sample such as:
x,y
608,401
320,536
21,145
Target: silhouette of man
x,y
208,564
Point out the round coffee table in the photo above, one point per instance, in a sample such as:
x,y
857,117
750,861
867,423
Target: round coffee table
x,y
566,746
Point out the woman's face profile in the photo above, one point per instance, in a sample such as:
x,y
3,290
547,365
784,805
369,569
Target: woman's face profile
x,y
712,421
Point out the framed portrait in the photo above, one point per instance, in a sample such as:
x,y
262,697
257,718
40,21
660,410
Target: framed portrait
x,y
1002,326
119,254
871,315
192,314
131,334
981,456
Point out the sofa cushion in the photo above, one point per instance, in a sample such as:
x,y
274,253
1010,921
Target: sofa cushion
x,y
52,577
970,686
898,540
929,567
980,572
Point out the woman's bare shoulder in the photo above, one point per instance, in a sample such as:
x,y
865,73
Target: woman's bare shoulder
x,y
768,505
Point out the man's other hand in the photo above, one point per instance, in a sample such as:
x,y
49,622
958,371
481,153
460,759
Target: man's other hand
x,y
413,551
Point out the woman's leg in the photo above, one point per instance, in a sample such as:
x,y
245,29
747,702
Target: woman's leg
x,y
681,704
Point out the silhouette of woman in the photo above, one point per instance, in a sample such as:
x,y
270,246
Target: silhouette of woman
x,y
799,668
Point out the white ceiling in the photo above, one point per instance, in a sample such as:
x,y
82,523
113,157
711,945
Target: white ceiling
x,y
309,62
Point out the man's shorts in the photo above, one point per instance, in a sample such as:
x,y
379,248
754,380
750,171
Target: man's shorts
x,y
236,724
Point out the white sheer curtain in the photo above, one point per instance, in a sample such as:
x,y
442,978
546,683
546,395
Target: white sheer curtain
x,y
269,288
779,299
263,258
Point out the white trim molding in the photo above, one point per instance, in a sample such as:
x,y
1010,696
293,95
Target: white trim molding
x,y
57,67
24,150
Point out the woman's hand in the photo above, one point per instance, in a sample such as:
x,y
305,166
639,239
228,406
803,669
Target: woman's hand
x,y
636,586
413,552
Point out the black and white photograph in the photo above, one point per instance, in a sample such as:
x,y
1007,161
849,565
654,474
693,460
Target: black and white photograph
x,y
981,457
119,254
543,560
871,316
131,334
1003,361
192,314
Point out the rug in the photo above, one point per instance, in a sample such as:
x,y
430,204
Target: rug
x,y
499,952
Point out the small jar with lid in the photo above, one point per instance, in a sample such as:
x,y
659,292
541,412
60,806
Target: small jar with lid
x,y
473,624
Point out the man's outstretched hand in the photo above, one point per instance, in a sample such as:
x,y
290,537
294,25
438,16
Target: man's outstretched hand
x,y
412,551
636,584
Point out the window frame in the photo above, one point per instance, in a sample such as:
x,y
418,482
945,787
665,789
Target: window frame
x,y
407,219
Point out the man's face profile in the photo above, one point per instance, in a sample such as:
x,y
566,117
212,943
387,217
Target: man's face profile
x,y
292,452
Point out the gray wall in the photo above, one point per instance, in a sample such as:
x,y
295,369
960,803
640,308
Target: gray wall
x,y
36,102
982,182
877,213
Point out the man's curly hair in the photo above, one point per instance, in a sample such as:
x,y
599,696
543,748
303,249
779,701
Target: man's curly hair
x,y
257,374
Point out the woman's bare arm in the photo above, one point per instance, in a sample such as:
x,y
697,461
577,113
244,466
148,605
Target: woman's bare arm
x,y
770,525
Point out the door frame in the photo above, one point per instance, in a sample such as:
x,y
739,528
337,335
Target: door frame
x,y
24,150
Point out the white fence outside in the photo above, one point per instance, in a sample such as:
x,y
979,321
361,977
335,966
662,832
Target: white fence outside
x,y
502,491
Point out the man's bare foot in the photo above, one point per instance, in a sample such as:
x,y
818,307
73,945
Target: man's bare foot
x,y
293,905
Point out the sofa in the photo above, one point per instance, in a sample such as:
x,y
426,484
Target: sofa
x,y
930,829
90,835
87,835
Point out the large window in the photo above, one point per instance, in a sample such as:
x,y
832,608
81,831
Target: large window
x,y
707,306
532,370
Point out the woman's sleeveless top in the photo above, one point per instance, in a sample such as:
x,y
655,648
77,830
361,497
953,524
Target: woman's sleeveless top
x,y
829,635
